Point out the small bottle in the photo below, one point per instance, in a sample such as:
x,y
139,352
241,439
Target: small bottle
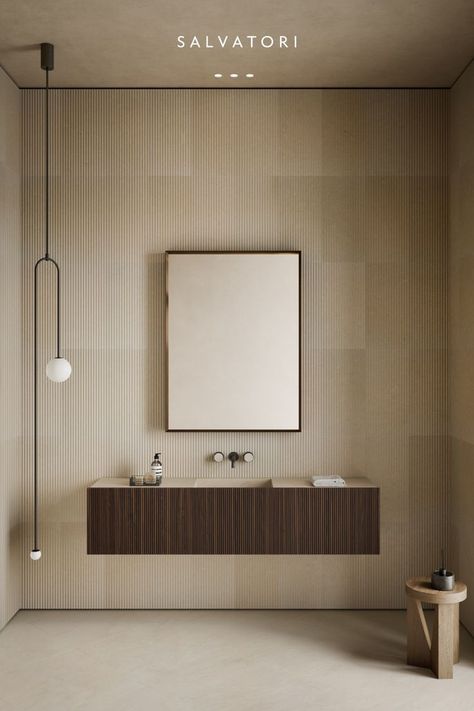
x,y
157,469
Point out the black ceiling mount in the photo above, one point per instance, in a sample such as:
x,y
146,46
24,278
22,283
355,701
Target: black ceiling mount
x,y
47,56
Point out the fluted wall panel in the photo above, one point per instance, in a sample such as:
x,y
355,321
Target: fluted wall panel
x,y
354,179
461,334
10,350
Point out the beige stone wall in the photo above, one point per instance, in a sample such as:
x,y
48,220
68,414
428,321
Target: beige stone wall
x,y
461,334
355,179
10,350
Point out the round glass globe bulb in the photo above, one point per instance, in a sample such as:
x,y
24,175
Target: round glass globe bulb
x,y
35,554
58,370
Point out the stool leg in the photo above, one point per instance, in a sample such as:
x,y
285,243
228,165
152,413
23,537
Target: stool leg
x,y
442,647
418,638
455,634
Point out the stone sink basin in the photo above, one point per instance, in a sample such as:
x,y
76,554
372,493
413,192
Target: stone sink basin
x,y
231,483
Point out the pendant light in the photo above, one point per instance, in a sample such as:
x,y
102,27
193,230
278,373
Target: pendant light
x,y
58,369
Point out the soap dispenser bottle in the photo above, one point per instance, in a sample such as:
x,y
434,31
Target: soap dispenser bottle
x,y
156,467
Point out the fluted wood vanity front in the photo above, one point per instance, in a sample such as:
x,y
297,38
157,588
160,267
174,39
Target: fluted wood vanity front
x,y
279,516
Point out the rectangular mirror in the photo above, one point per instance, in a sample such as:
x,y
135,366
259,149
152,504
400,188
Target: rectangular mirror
x,y
233,338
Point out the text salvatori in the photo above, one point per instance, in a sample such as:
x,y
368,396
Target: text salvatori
x,y
237,42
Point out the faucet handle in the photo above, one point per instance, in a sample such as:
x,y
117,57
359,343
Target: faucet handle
x,y
218,457
247,457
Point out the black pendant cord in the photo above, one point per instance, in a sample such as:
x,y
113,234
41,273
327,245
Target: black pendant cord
x,y
35,409
46,141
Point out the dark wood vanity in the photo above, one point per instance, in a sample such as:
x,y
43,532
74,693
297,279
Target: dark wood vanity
x,y
283,516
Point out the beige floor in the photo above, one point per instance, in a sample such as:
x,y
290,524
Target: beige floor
x,y
220,661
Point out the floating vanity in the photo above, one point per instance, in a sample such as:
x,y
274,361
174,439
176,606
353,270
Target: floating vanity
x,y
232,516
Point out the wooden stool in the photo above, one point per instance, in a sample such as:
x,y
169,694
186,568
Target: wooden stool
x,y
442,651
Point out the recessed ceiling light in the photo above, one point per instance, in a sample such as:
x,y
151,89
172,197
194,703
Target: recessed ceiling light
x,y
218,76
234,76
250,76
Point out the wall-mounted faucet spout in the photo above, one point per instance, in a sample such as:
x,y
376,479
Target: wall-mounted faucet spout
x,y
234,457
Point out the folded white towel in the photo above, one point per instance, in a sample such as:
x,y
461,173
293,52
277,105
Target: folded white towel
x,y
334,481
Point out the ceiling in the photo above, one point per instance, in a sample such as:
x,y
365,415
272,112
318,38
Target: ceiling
x,y
341,43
